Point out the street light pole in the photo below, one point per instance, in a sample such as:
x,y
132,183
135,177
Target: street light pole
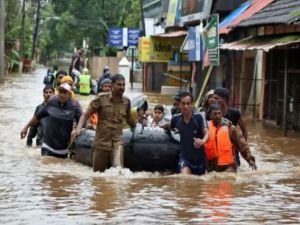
x,y
143,32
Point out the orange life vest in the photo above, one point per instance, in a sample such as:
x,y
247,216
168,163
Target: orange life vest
x,y
94,119
219,145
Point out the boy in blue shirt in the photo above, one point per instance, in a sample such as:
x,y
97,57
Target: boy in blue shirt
x,y
193,135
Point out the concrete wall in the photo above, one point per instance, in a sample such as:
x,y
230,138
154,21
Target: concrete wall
x,y
98,63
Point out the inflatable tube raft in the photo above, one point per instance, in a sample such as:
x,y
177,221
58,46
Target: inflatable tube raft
x,y
146,149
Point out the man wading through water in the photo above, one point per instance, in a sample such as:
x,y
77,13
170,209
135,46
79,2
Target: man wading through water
x,y
60,111
113,108
193,135
38,130
224,139
221,96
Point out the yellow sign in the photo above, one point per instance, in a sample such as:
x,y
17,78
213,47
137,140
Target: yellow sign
x,y
158,49
144,49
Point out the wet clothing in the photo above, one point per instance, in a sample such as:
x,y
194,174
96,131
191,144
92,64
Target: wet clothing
x,y
109,132
234,115
221,145
105,159
47,152
189,131
195,169
37,130
60,119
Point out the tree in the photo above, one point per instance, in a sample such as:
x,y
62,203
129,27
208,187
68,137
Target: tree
x,y
14,31
79,19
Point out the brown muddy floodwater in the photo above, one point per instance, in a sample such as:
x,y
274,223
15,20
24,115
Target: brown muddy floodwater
x,y
43,190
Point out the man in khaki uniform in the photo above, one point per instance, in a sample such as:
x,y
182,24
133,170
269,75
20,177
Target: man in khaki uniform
x,y
113,108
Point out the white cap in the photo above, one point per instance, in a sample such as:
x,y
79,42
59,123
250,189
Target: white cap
x,y
66,87
85,70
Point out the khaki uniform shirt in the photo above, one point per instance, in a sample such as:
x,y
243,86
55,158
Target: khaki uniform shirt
x,y
111,118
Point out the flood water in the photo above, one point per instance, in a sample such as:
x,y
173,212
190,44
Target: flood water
x,y
44,190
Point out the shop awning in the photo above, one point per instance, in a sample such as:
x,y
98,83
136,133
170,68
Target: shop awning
x,y
264,43
172,34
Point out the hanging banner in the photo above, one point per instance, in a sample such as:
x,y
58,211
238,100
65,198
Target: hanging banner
x,y
174,13
194,45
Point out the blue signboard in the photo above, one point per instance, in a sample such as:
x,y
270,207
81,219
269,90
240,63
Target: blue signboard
x,y
123,37
115,37
133,37
194,45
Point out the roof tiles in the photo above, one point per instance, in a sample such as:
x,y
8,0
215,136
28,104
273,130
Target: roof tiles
x,y
279,12
255,7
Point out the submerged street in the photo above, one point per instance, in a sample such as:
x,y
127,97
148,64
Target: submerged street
x,y
46,190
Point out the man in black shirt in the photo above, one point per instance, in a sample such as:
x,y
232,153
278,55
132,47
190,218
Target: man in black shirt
x,y
38,130
61,111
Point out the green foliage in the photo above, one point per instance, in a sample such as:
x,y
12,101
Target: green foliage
x,y
13,20
65,23
133,19
75,20
13,25
13,60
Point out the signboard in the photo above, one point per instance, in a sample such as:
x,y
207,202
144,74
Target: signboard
x,y
144,49
115,37
192,10
194,45
212,32
174,13
157,49
212,41
123,37
133,37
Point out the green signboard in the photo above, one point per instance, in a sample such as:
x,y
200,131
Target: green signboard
x,y
212,40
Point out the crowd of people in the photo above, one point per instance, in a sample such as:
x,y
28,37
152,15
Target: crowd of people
x,y
211,137
214,134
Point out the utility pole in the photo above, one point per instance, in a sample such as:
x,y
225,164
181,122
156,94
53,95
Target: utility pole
x,y
22,38
36,30
2,39
143,32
